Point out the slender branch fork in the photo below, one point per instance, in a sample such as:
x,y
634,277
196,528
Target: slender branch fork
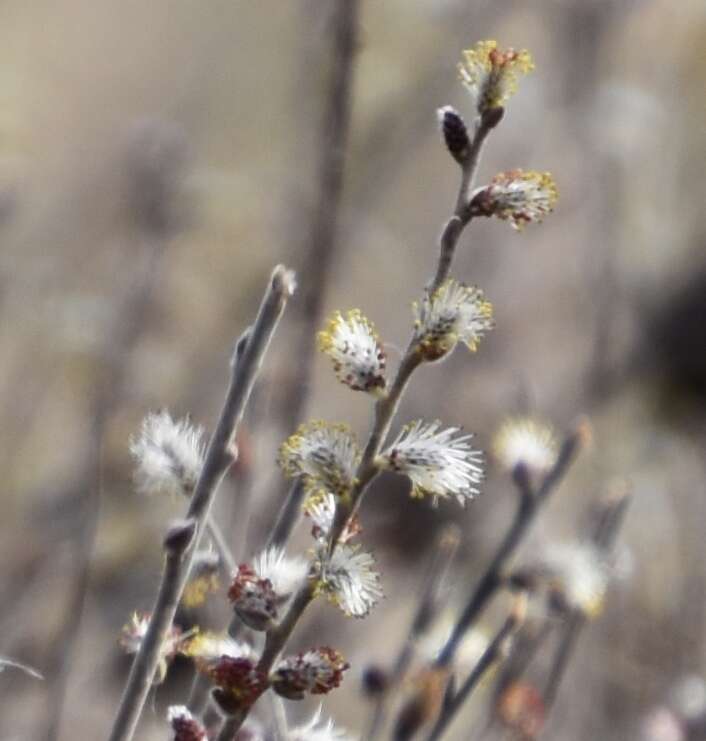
x,y
429,598
604,539
494,651
384,413
246,363
490,582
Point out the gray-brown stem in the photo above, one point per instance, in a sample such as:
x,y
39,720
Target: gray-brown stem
x,y
219,457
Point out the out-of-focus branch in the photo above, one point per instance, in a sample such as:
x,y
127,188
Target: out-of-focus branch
x,y
248,358
130,322
322,241
228,562
495,651
428,601
492,578
609,523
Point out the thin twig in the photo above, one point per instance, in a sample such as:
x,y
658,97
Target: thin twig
x,y
129,323
607,528
495,650
287,517
462,215
229,564
229,728
219,457
492,578
318,260
428,599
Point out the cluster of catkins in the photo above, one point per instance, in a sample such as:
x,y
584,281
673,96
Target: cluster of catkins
x,y
326,458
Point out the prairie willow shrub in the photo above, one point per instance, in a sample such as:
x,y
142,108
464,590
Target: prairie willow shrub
x,y
134,632
355,350
168,455
317,729
491,74
528,442
324,455
316,671
348,579
184,725
260,590
453,313
516,196
320,508
440,463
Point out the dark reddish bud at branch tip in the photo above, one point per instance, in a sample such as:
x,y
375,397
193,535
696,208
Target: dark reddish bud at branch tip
x,y
179,535
492,117
455,133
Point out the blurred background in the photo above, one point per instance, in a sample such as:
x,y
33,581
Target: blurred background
x,y
158,159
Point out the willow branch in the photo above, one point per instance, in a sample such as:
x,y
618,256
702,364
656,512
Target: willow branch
x,y
228,562
524,517
428,600
120,340
322,240
385,408
607,528
219,456
495,651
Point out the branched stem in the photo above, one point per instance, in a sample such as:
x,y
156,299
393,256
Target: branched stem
x,y
492,578
219,457
457,223
604,537
385,410
428,601
492,653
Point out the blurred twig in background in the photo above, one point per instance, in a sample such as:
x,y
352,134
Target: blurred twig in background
x,y
322,241
154,167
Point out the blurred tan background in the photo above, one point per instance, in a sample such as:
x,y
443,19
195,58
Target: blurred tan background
x,y
112,304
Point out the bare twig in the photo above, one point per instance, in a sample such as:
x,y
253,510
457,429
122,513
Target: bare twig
x,y
228,562
428,600
129,322
495,651
229,728
219,456
317,262
492,578
288,516
609,522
